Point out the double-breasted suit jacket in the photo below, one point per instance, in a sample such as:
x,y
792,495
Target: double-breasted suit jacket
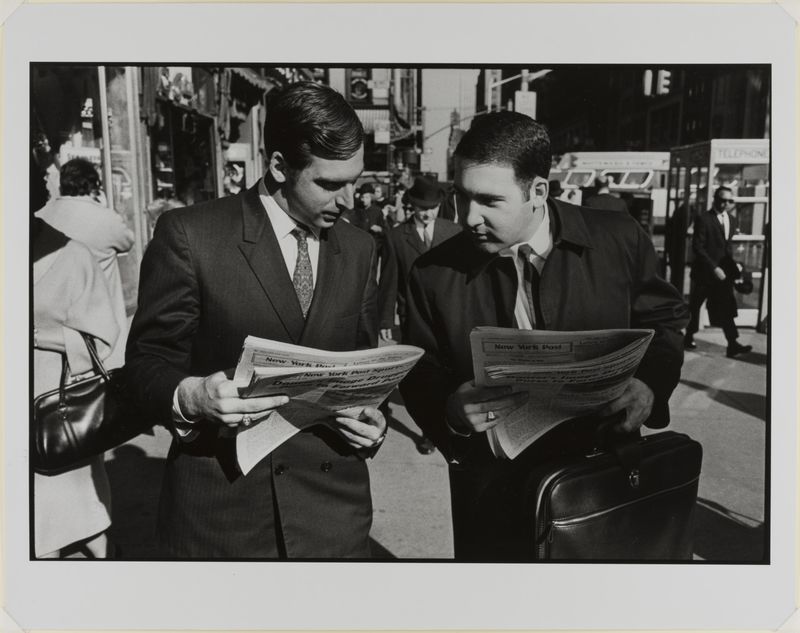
x,y
404,246
212,275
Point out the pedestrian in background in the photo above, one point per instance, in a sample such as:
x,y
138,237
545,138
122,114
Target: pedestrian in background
x,y
422,231
271,262
72,509
78,213
527,261
603,198
713,254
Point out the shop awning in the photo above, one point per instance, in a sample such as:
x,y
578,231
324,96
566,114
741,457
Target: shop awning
x,y
252,77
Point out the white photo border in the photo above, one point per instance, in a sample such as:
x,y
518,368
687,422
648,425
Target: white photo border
x,y
225,595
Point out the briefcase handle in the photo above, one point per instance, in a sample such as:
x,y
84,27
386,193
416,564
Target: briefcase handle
x,y
626,447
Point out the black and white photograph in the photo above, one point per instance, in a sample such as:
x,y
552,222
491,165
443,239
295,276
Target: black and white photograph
x,y
302,317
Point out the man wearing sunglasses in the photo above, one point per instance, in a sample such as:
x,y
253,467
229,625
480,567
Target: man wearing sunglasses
x,y
712,272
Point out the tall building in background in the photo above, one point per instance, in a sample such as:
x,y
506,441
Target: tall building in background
x,y
642,108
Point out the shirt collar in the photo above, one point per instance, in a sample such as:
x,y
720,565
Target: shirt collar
x,y
541,241
419,225
566,227
282,223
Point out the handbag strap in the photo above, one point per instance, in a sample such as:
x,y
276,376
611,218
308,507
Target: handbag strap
x,y
97,365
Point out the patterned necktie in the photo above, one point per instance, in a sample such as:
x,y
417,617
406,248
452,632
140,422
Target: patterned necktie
x,y
531,281
303,278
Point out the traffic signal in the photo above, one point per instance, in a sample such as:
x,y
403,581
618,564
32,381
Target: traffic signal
x,y
358,85
647,82
663,82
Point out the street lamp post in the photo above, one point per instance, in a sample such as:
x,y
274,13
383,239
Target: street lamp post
x,y
525,76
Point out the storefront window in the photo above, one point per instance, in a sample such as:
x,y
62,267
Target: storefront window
x,y
183,155
123,195
746,181
66,115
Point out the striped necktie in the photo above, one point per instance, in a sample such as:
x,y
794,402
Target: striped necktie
x,y
303,278
531,281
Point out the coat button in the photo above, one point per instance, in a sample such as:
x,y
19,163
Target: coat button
x,y
325,466
280,469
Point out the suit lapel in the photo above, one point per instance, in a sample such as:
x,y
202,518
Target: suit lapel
x,y
718,224
330,276
413,238
263,254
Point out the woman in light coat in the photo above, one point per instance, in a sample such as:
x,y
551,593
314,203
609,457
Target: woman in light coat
x,y
72,509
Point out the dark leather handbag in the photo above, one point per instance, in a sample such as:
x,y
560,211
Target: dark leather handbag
x,y
631,502
82,419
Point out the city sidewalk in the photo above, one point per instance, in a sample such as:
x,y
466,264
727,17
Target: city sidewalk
x,y
720,402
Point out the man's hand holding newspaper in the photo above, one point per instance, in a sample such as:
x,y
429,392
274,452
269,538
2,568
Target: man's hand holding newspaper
x,y
528,381
340,389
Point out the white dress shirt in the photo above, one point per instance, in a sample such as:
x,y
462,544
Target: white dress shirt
x,y
724,220
542,243
423,230
282,225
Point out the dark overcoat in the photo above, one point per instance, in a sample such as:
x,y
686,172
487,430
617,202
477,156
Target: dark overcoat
x,y
403,246
601,273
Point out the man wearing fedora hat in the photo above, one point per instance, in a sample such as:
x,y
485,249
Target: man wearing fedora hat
x,y
405,242
419,233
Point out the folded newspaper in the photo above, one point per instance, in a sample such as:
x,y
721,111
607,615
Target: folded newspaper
x,y
566,375
318,382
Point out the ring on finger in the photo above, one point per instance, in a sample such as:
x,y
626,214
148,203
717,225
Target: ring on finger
x,y
379,441
490,416
246,420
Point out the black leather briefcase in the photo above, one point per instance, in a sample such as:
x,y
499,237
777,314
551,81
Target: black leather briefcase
x,y
633,501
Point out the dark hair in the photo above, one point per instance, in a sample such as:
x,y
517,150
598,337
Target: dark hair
x,y
305,119
78,177
508,138
720,190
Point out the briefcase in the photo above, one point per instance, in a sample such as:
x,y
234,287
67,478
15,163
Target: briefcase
x,y
633,501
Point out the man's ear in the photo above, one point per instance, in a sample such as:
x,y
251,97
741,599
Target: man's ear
x,y
539,191
278,168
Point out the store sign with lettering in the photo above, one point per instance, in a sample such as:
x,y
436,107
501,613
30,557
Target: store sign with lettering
x,y
91,154
742,155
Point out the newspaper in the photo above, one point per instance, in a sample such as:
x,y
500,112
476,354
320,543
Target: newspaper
x,y
318,383
566,374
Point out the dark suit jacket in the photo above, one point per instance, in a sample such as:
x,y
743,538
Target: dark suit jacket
x,y
212,275
601,273
710,246
607,201
403,246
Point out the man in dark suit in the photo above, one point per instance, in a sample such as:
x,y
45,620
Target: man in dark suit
x,y
604,199
422,231
593,269
407,241
271,262
713,272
